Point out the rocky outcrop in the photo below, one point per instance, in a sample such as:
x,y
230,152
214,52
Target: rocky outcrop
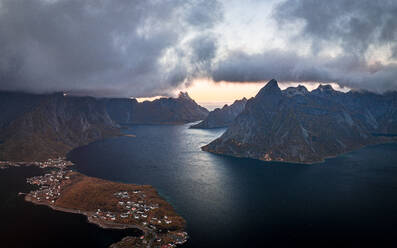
x,y
222,117
182,109
296,91
52,126
295,125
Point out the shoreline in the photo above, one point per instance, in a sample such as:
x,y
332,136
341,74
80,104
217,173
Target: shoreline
x,y
106,204
390,141
86,214
156,226
111,205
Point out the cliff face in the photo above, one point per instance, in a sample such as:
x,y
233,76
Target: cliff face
x,y
38,127
120,110
161,111
52,126
222,117
295,125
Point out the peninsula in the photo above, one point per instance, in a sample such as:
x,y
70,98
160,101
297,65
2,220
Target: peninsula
x,y
111,205
41,129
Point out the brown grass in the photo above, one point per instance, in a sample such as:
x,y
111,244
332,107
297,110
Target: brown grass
x,y
89,194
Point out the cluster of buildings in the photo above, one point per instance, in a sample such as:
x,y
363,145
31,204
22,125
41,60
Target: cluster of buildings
x,y
134,206
50,185
3,165
134,209
6,164
131,207
178,238
60,163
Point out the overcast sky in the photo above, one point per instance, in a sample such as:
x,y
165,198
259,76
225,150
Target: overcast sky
x,y
153,47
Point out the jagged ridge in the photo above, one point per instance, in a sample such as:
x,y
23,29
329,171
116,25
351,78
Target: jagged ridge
x,y
38,127
295,125
161,111
222,117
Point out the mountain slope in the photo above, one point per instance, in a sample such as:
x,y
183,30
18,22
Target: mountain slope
x,y
302,127
222,117
161,111
54,126
14,104
38,127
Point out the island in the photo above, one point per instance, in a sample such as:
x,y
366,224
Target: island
x,y
111,205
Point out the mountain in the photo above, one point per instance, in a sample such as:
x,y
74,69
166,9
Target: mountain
x,y
161,111
50,126
120,110
377,112
294,91
37,127
222,117
296,125
14,104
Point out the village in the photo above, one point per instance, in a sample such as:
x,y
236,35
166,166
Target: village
x,y
50,185
134,207
125,209
60,163
139,212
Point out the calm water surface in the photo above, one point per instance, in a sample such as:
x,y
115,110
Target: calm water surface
x,y
23,224
227,202
349,200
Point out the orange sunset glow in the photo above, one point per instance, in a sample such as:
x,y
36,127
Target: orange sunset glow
x,y
213,95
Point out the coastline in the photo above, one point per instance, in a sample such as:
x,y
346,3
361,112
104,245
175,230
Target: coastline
x,y
145,209
111,205
85,213
388,141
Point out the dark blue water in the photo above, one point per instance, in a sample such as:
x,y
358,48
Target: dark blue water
x,y
227,202
23,224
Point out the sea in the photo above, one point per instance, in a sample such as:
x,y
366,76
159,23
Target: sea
x,y
347,201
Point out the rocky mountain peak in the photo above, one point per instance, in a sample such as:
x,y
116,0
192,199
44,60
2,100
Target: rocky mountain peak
x,y
270,88
243,100
308,129
324,88
222,117
184,95
326,91
160,111
302,88
293,91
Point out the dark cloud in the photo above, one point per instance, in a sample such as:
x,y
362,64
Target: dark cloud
x,y
147,48
117,47
202,13
356,26
348,70
204,48
203,51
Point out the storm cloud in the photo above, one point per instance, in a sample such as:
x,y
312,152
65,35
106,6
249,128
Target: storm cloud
x,y
358,28
148,48
120,48
355,25
348,70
